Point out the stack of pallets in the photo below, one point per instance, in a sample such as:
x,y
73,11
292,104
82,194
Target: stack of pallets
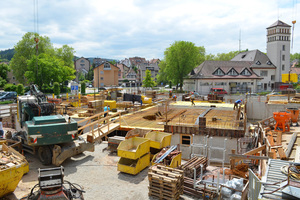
x,y
165,182
194,162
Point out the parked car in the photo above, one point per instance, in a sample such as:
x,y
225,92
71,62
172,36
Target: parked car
x,y
218,91
9,96
167,86
90,86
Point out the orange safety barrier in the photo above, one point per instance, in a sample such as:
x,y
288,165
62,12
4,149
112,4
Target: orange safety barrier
x,y
282,120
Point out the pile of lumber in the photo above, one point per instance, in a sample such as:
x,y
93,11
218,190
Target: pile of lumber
x,y
168,159
194,162
199,193
165,182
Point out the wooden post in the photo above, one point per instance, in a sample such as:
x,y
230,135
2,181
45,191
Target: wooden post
x,y
232,160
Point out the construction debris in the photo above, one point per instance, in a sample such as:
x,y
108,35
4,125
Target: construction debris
x,y
165,182
194,163
198,193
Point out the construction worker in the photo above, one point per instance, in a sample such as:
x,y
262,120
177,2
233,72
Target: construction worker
x,y
170,94
236,103
106,108
192,99
174,97
108,95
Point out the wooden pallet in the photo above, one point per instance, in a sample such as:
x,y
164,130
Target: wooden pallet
x,y
194,162
165,182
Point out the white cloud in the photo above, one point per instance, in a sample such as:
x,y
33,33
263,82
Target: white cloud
x,y
119,29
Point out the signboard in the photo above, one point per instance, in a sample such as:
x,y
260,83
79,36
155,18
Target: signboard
x,y
74,87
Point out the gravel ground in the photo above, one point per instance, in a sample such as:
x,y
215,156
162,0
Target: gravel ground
x,y
97,173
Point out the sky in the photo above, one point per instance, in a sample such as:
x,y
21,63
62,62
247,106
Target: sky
x,y
121,29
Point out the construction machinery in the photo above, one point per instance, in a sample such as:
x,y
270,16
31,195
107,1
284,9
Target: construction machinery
x,y
53,186
53,138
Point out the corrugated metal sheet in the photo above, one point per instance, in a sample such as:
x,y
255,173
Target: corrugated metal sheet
x,y
273,175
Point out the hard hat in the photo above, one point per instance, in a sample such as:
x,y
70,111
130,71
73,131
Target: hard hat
x,y
241,99
192,92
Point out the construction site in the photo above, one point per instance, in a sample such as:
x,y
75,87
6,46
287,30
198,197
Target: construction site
x,y
148,145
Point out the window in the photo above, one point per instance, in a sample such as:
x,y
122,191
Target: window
x,y
101,78
272,77
82,61
186,139
282,67
14,78
232,72
258,63
269,62
107,66
219,72
263,73
246,72
283,57
102,84
101,72
82,65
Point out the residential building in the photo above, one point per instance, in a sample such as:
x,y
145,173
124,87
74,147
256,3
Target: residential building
x,y
125,62
233,76
98,61
136,60
260,65
122,72
155,60
106,74
153,67
251,70
82,66
132,77
278,47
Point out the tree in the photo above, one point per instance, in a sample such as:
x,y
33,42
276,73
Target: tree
x,y
24,51
148,80
181,57
3,74
56,88
83,85
10,87
295,56
162,76
66,54
50,69
20,89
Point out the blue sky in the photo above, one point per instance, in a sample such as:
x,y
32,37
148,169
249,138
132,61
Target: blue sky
x,y
120,29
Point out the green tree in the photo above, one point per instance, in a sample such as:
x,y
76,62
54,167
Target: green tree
x,y
162,76
148,80
83,86
24,51
50,69
20,89
295,56
4,68
181,57
56,88
66,54
10,87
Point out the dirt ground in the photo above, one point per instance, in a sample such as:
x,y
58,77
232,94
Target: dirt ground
x,y
97,173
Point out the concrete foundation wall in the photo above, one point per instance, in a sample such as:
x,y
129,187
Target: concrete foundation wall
x,y
200,139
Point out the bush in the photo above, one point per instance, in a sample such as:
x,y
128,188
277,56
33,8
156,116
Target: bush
x,y
10,87
83,87
56,88
65,89
6,102
20,89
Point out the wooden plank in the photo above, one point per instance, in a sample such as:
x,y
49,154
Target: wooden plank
x,y
281,153
279,138
291,145
297,155
248,157
256,150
